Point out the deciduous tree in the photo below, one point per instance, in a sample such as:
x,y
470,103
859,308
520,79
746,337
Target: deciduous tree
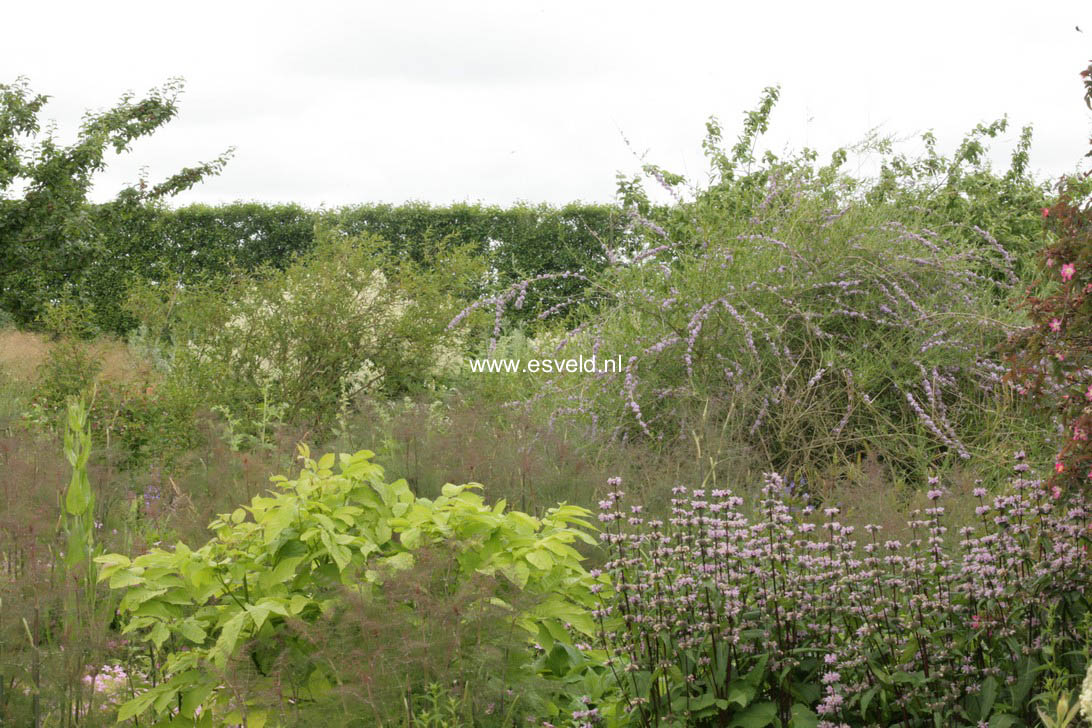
x,y
47,236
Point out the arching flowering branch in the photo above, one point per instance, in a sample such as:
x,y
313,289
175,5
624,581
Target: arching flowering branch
x,y
783,279
514,294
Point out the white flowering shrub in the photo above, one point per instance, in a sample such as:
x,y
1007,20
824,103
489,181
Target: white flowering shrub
x,y
346,319
1086,696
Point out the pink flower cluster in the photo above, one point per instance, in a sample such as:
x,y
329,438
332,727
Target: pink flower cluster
x,y
719,589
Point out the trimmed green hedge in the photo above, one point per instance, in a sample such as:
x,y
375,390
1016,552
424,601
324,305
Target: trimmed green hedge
x,y
154,242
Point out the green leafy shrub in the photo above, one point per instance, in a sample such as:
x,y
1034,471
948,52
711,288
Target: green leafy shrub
x,y
963,194
1052,358
142,422
49,243
69,369
251,597
810,324
299,344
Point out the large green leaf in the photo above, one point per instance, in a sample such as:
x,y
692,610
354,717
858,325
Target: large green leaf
x,y
193,631
803,717
297,555
139,704
756,715
229,635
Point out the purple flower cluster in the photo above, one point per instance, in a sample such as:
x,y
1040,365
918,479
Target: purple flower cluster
x,y
797,316
514,295
787,604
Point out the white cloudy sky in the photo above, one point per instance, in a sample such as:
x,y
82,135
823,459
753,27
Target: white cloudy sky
x,y
498,101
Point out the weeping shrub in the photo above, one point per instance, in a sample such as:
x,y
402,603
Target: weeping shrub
x,y
805,322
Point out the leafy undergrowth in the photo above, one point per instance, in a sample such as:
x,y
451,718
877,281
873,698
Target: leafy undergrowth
x,y
786,317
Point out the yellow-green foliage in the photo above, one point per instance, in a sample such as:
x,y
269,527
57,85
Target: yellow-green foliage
x,y
292,556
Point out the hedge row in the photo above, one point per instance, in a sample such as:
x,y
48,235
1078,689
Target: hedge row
x,y
149,242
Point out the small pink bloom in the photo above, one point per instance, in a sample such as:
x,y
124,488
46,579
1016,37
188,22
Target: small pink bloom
x,y
1088,394
1068,270
1059,467
1046,212
1055,492
1055,325
1050,262
976,622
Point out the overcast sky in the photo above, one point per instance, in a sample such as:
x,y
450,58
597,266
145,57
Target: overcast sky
x,y
346,102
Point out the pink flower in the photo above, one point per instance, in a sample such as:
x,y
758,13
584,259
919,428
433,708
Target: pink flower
x,y
1055,325
1055,492
1059,467
1046,212
976,621
1067,271
1050,262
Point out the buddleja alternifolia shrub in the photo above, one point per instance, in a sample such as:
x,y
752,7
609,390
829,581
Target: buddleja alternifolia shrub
x,y
1052,358
808,322
789,614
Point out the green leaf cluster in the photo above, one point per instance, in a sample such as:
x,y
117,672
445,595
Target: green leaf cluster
x,y
48,238
291,555
297,345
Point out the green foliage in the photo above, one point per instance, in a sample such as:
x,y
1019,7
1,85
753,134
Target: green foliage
x,y
292,556
519,242
79,499
48,240
141,423
299,344
1052,359
69,371
53,616
141,240
1064,714
131,418
811,318
965,191
949,195
237,432
776,619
